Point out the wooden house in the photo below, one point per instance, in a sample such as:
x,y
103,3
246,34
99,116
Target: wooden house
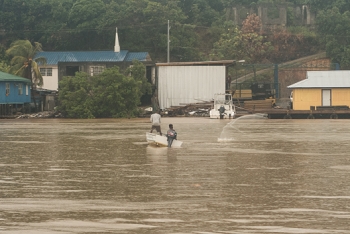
x,y
322,89
15,92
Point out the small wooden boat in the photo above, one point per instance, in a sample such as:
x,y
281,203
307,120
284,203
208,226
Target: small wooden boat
x,y
160,141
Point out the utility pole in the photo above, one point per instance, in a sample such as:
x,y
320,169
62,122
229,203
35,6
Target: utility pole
x,y
275,75
168,43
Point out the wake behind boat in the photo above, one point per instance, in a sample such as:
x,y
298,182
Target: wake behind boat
x,y
161,141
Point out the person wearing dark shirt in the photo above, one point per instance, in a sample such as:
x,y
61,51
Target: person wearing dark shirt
x,y
171,135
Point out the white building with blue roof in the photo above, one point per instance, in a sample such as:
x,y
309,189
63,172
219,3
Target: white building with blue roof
x,y
67,63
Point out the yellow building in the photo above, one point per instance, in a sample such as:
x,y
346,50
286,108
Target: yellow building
x,y
321,89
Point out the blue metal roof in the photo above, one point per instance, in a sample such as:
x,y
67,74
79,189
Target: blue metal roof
x,y
52,58
141,56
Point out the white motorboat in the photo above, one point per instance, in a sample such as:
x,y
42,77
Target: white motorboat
x,y
223,107
161,141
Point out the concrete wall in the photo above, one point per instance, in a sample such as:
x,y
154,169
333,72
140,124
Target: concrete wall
x,y
302,15
50,82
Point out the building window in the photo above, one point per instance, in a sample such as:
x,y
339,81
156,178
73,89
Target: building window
x,y
96,70
46,71
27,90
7,89
20,89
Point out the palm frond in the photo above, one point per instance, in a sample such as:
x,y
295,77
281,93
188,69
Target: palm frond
x,y
22,63
41,60
37,47
18,60
20,48
19,71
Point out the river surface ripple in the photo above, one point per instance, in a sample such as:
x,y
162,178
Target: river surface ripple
x,y
247,175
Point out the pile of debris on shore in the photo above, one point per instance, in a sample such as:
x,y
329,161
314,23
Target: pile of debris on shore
x,y
188,110
43,114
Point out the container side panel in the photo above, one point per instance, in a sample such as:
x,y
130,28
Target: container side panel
x,y
179,85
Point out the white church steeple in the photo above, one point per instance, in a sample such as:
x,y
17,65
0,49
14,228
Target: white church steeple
x,y
116,46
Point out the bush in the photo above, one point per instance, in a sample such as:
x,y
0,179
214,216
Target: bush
x,y
110,94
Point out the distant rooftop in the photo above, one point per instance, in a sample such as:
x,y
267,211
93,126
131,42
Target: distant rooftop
x,y
9,77
324,79
53,58
201,63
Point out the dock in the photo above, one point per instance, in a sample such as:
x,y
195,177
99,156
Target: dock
x,y
281,113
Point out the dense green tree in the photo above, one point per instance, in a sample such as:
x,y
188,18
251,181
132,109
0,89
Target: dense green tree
x,y
188,42
289,44
252,47
224,47
246,44
110,94
51,19
138,72
75,97
318,5
4,67
115,95
201,12
142,25
84,21
334,28
14,16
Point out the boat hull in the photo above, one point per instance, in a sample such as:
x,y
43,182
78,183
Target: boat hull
x,y
160,141
214,114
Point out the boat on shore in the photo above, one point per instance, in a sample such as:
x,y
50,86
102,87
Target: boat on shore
x,y
160,141
223,107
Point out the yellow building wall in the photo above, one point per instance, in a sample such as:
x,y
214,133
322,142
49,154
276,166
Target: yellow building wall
x,y
304,98
341,97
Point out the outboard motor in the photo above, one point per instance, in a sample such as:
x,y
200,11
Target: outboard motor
x,y
222,112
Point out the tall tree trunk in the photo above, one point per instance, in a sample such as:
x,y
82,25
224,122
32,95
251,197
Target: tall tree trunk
x,y
30,76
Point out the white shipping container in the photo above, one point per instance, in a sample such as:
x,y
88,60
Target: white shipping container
x,y
189,84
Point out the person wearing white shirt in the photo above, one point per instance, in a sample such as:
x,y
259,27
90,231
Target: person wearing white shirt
x,y
155,120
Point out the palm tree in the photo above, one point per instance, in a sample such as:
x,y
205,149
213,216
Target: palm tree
x,y
23,63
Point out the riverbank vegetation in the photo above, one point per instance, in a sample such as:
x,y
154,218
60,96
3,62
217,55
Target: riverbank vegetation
x,y
197,27
110,94
199,30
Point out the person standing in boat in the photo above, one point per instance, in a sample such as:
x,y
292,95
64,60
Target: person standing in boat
x,y
155,120
171,135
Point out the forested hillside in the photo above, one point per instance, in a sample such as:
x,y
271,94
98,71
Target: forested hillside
x,y
200,29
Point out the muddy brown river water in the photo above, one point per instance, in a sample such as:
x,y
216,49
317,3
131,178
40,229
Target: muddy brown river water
x,y
247,175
